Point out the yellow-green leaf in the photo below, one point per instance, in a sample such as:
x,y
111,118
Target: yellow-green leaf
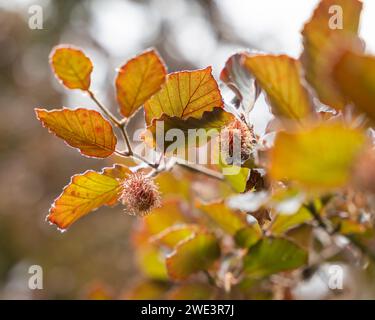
x,y
280,77
85,193
186,94
246,237
151,261
138,79
227,219
317,157
173,184
354,74
236,176
332,22
72,67
194,254
284,222
81,128
169,214
273,255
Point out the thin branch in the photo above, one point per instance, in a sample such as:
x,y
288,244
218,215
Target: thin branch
x,y
139,157
201,169
126,138
105,110
312,209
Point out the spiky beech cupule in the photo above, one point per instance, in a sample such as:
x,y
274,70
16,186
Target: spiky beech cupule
x,y
139,194
237,133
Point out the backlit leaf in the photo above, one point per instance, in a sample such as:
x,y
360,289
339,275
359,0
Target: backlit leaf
x,y
138,79
151,261
319,157
227,219
194,254
81,128
301,235
85,193
284,222
354,74
72,67
172,184
169,214
246,237
318,35
241,82
280,77
186,94
235,176
273,255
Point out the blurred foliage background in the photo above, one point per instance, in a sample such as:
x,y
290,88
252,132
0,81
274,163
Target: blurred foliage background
x,y
94,258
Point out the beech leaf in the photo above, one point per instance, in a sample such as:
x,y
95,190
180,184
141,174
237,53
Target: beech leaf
x,y
72,67
273,255
248,236
354,74
227,219
283,222
186,94
280,77
320,35
81,128
241,82
194,254
85,193
171,236
138,79
317,157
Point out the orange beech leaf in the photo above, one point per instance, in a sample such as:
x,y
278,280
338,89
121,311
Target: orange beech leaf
x,y
318,35
85,193
138,79
186,94
81,128
354,74
72,67
194,254
280,77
